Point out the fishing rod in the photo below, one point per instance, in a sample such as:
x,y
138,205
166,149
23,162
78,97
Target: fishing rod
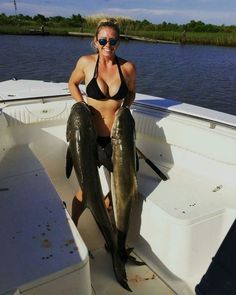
x,y
152,165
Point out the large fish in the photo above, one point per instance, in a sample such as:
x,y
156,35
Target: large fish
x,y
81,154
123,179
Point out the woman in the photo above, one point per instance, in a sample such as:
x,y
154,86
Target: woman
x,y
110,83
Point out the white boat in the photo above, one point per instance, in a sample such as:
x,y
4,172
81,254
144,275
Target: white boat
x,y
177,225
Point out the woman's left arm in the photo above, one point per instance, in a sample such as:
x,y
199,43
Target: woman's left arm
x,y
131,84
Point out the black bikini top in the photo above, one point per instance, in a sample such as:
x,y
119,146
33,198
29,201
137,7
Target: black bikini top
x,y
95,92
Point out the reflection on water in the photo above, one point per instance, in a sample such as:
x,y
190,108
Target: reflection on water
x,y
201,75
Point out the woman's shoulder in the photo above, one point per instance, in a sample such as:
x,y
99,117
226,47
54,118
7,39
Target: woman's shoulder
x,y
84,60
127,65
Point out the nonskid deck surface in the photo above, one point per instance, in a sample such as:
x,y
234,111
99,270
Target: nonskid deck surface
x,y
141,279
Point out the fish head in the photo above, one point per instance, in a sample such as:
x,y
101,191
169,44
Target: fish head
x,y
123,123
80,119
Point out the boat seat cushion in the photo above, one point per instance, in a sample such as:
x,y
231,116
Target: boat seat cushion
x,y
35,228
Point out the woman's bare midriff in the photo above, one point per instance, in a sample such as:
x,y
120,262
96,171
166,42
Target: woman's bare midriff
x,y
104,114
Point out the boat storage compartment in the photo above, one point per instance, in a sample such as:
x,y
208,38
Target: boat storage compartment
x,y
178,224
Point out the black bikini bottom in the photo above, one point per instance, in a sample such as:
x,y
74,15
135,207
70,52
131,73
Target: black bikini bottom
x,y
104,153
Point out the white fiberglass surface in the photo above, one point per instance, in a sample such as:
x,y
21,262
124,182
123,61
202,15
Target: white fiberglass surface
x,y
177,215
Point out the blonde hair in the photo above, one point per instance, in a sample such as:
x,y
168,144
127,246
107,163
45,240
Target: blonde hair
x,y
108,22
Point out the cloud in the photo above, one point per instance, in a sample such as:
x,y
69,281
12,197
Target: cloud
x,y
173,15
46,8
156,11
7,7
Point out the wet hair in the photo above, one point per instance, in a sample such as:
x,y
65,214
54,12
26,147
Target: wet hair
x,y
106,22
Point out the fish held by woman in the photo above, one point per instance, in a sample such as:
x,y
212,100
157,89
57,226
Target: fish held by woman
x,y
124,186
81,155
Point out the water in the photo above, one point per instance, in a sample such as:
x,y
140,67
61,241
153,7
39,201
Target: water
x,y
200,75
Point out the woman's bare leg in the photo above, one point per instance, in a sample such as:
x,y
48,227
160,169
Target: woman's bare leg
x,y
107,200
77,207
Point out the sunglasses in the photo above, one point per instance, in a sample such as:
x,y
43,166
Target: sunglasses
x,y
111,41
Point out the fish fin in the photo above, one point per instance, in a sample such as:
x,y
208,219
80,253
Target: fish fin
x,y
104,157
90,254
125,285
119,270
135,261
132,258
129,250
69,163
120,273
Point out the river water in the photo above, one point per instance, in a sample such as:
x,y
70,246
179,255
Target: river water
x,y
200,75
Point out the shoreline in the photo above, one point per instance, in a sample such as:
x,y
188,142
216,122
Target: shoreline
x,y
126,37
161,37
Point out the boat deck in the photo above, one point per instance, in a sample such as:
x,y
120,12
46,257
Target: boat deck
x,y
24,178
171,221
141,279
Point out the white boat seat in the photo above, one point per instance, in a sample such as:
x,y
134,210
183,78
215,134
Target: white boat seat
x,y
37,234
182,224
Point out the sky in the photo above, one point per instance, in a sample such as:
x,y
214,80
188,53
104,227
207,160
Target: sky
x,y
156,11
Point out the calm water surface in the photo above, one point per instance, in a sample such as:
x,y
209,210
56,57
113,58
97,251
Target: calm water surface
x,y
200,75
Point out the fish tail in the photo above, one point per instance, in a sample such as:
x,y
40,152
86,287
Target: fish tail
x,y
119,270
125,253
69,163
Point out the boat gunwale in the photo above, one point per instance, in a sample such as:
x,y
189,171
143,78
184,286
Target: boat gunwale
x,y
148,102
213,122
43,98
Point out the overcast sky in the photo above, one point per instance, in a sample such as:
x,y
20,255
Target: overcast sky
x,y
156,11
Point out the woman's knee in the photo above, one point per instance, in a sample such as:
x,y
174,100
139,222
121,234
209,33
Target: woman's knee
x,y
79,195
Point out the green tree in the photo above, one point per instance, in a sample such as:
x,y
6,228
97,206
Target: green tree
x,y
40,19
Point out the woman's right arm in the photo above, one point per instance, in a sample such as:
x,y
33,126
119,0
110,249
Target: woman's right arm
x,y
77,76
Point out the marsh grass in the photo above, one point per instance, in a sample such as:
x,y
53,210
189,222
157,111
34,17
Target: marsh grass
x,y
219,39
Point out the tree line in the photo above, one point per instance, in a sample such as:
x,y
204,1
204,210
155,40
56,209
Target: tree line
x,y
126,25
